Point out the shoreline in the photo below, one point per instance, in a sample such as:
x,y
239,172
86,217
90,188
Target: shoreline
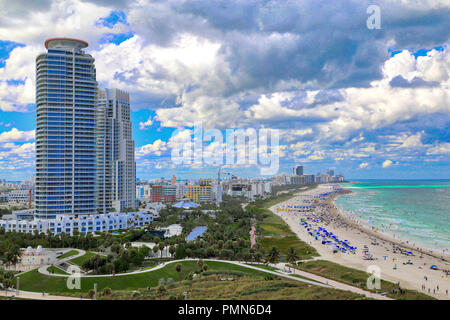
x,y
389,254
386,236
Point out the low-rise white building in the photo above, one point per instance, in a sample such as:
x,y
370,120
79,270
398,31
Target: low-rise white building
x,y
20,196
83,224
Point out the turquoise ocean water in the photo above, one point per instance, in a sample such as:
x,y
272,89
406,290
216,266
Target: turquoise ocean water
x,y
414,210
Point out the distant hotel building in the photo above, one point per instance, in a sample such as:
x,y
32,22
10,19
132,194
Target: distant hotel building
x,y
199,193
84,147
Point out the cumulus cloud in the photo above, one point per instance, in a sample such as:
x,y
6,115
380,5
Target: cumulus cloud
x,y
155,148
144,125
15,135
363,165
387,163
328,84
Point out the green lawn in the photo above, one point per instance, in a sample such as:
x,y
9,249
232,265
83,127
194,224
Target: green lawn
x,y
358,278
35,281
275,232
80,260
68,254
55,270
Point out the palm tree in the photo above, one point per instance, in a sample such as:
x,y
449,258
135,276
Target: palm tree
x,y
155,249
172,250
161,247
273,255
15,256
179,268
292,256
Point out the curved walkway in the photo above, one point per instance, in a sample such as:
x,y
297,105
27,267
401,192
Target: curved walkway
x,y
43,269
334,284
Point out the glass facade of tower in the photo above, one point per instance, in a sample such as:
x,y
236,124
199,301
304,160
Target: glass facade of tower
x,y
116,167
66,103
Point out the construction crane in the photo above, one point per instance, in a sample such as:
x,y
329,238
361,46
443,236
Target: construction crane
x,y
219,186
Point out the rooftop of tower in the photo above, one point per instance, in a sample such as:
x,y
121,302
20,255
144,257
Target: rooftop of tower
x,y
65,43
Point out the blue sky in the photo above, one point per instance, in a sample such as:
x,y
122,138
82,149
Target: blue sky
x,y
368,103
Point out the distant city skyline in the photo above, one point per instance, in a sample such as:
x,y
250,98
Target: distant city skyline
x,y
370,103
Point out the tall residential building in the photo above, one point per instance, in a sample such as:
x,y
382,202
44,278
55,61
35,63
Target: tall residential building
x,y
298,171
66,98
116,167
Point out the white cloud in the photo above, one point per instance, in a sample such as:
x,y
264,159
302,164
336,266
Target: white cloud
x,y
387,163
144,125
364,165
155,148
439,149
15,135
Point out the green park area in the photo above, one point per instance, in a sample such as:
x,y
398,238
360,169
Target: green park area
x,y
220,281
358,278
273,231
80,260
68,254
56,270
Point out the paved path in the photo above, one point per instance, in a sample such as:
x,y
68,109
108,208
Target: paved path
x,y
36,296
43,269
334,284
314,279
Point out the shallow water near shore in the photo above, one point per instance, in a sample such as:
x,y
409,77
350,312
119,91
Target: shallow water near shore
x,y
413,210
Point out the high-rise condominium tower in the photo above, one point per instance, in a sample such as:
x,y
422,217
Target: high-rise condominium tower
x,y
116,168
66,99
84,146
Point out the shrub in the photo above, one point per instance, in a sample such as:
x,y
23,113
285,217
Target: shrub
x,y
91,293
107,291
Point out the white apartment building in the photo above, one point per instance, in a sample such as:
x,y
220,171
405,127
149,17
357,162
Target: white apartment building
x,y
22,196
143,192
84,223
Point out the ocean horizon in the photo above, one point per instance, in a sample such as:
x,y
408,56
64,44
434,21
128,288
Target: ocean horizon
x,y
416,210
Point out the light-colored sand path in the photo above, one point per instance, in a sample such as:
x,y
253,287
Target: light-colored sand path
x,y
36,296
334,284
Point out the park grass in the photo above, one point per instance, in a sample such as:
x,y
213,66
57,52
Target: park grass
x,y
56,270
80,260
37,282
68,254
242,288
275,232
358,278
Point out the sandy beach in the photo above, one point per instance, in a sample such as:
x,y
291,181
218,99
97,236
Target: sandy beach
x,y
416,274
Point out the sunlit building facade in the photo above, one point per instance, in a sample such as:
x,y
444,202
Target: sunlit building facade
x,y
66,98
